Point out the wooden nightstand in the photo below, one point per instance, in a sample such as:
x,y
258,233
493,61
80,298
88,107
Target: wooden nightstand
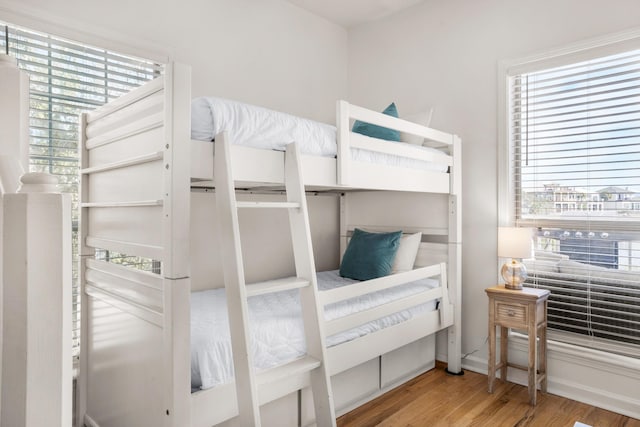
x,y
522,309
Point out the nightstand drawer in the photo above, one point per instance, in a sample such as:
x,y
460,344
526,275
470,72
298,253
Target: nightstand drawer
x,y
511,314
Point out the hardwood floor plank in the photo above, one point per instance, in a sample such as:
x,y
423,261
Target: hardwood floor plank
x,y
394,401
425,407
437,399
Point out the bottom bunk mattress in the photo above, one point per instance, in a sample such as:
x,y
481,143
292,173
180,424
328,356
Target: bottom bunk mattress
x,y
276,325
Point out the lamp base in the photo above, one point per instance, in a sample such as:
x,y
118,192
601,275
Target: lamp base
x,y
514,275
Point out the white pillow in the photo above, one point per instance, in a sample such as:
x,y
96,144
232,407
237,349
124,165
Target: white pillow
x,y
422,118
407,252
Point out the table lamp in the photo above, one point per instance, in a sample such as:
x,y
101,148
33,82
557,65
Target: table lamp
x,y
514,242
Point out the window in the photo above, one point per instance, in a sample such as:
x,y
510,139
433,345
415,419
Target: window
x,y
67,78
574,171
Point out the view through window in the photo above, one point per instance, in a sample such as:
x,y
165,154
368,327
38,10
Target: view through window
x,y
575,162
67,78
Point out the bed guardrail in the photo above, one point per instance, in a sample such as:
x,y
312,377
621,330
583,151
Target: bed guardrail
x,y
134,291
379,284
422,325
346,112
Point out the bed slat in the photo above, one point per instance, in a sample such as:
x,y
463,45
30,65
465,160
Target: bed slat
x,y
144,278
369,116
395,149
124,304
137,249
142,144
145,107
127,99
143,125
362,317
133,292
151,157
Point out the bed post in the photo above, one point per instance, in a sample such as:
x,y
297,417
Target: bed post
x,y
176,265
342,138
37,365
455,254
344,215
84,252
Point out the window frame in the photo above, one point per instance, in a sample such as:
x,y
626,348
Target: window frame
x,y
506,179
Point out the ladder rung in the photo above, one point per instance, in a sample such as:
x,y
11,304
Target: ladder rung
x,y
296,367
281,205
132,204
276,285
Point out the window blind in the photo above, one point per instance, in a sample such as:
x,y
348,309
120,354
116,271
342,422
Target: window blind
x,y
67,78
575,161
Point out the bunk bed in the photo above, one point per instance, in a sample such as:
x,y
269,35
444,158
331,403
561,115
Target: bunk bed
x,y
139,167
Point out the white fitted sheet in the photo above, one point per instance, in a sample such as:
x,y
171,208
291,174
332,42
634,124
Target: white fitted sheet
x,y
276,325
259,127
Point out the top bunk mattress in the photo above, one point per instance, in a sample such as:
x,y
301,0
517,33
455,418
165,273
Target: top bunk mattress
x,y
258,127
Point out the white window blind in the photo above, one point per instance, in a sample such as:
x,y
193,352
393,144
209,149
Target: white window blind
x,y
67,78
575,162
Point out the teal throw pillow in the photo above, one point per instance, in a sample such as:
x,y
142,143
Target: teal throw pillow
x,y
376,131
370,255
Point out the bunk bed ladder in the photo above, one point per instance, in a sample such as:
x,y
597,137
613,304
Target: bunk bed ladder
x,y
248,382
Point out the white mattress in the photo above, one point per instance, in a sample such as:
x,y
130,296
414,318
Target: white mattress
x,y
276,325
259,127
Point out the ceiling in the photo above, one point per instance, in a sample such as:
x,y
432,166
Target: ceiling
x,y
349,13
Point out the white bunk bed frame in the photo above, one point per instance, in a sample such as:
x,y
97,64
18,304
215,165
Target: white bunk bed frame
x,y
138,165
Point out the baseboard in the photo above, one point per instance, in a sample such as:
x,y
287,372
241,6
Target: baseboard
x,y
471,363
592,396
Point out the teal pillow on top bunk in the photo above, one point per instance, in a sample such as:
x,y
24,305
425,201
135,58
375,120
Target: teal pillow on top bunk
x,y
376,131
369,255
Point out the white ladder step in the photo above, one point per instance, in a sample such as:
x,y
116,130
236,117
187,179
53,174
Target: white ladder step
x,y
280,205
276,285
296,367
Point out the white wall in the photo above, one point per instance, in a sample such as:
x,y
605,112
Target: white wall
x,y
445,54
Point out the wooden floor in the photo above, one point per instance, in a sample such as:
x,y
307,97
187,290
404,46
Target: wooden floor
x,y
438,399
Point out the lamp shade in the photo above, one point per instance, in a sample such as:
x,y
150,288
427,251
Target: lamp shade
x,y
514,242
